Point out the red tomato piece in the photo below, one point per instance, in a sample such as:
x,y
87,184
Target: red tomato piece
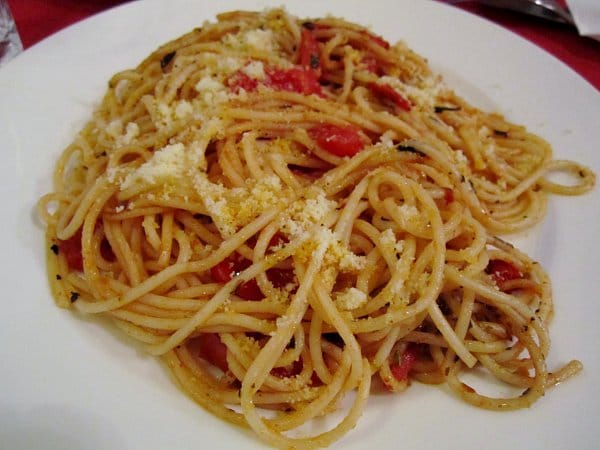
x,y
280,277
406,363
315,380
250,291
209,347
448,195
71,248
340,141
278,239
309,52
372,65
288,371
224,271
241,80
501,270
386,91
296,79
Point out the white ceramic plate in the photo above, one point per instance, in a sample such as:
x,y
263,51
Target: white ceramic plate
x,y
74,383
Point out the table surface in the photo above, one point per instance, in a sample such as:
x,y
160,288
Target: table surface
x,y
37,19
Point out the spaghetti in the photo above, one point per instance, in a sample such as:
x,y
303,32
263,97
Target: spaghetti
x,y
288,210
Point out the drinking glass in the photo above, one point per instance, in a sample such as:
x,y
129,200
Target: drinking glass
x,y
10,42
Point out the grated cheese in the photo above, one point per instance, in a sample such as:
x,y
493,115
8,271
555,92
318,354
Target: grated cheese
x,y
166,164
255,69
350,299
423,94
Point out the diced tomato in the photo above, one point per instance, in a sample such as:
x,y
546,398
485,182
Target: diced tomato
x,y
209,347
296,79
241,80
224,271
501,270
386,91
406,363
278,239
340,141
315,380
71,248
249,290
448,195
280,277
372,65
309,52
288,371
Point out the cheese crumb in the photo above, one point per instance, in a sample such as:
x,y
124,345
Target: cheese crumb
x,y
233,208
168,163
115,128
424,93
261,40
350,299
255,69
306,212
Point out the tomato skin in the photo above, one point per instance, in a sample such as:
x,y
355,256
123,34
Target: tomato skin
x,y
296,79
71,248
309,52
340,141
406,363
209,347
386,91
501,270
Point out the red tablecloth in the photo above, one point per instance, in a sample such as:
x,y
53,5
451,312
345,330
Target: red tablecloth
x,y
37,19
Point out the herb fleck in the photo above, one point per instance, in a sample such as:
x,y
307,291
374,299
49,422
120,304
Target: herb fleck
x,y
164,62
439,109
74,296
314,61
54,249
409,148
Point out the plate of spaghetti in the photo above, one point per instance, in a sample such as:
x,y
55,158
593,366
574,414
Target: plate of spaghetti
x,y
301,227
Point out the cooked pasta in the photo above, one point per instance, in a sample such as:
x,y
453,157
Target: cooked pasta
x,y
288,210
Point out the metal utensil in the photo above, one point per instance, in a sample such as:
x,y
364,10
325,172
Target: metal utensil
x,y
547,9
